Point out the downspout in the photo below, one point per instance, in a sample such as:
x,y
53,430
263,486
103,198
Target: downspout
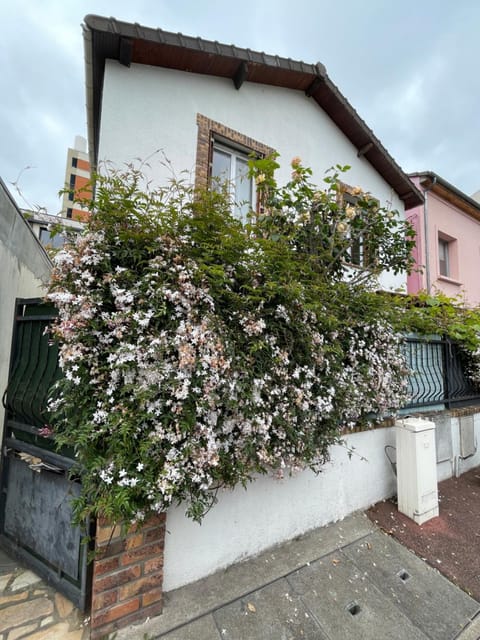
x,y
88,58
425,232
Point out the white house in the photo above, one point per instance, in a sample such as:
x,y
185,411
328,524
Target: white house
x,y
206,105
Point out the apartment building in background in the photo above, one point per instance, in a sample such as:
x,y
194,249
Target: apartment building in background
x,y
77,177
53,230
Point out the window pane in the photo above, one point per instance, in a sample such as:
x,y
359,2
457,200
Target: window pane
x,y
231,167
357,252
44,235
443,258
243,189
57,241
221,167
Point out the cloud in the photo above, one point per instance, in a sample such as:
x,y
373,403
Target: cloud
x,y
409,69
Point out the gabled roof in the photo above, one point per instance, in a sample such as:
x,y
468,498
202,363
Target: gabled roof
x,y
431,181
131,43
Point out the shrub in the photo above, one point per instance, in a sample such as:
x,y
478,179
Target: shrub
x,y
198,352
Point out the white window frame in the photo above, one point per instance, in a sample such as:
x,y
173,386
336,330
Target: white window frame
x,y
240,209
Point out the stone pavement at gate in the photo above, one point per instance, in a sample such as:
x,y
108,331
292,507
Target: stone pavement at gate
x,y
31,609
346,581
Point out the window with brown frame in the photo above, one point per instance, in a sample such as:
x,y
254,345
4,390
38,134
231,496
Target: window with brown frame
x,y
359,254
222,159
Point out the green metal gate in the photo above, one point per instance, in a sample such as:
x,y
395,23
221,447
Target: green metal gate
x,y
35,511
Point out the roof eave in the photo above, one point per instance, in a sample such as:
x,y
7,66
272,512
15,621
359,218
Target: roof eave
x,y
433,182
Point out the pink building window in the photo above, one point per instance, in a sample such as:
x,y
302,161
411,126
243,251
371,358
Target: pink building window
x,y
447,256
443,257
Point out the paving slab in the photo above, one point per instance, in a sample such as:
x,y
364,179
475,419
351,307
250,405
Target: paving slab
x,y
449,542
201,629
16,615
59,631
348,605
30,608
472,632
21,632
346,581
418,590
24,580
269,613
225,586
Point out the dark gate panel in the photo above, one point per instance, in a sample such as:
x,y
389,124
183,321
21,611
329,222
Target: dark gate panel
x,y
36,491
36,500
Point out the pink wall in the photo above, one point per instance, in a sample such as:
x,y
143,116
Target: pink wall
x,y
462,232
415,281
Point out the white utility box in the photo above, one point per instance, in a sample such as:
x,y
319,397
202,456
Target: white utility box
x,y
417,484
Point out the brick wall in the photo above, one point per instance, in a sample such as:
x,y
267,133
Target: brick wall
x,y
127,575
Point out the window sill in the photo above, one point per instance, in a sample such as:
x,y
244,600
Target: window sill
x,y
450,280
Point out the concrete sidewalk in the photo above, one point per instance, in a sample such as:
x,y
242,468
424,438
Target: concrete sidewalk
x,y
346,581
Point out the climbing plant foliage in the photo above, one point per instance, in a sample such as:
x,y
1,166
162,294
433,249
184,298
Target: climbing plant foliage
x,y
198,353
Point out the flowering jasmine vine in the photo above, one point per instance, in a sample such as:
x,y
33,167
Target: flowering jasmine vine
x,y
198,352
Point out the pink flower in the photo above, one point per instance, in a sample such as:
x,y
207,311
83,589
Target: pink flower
x,y
45,431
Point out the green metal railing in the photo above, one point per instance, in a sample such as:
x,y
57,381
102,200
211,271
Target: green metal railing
x,y
34,365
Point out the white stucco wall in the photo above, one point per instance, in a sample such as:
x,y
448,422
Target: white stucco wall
x,y
270,511
24,274
161,110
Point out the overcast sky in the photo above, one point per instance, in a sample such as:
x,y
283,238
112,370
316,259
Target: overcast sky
x,y
410,69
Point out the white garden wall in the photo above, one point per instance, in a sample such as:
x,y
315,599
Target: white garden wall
x,y
271,511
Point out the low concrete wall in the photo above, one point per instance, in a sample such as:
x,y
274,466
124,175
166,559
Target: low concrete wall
x,y
271,511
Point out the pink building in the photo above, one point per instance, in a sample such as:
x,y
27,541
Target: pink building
x,y
448,240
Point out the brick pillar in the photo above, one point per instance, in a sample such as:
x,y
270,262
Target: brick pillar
x,y
127,575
